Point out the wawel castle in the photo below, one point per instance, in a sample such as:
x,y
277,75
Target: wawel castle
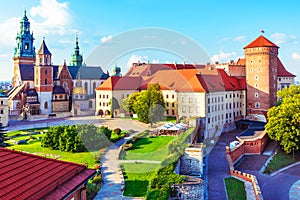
x,y
217,94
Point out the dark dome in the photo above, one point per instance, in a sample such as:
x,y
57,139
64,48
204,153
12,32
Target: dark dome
x,y
32,93
58,90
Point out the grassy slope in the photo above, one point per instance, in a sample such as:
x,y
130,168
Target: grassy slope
x,y
235,189
136,184
279,161
35,147
155,148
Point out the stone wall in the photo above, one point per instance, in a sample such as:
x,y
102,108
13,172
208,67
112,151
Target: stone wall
x,y
191,162
248,145
188,192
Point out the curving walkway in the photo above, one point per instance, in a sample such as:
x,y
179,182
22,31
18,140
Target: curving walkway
x,y
113,181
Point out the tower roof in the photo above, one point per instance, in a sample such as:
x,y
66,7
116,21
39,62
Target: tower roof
x,y
25,18
44,49
261,41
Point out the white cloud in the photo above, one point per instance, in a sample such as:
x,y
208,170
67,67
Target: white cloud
x,y
136,58
223,57
295,56
155,61
279,38
8,31
106,39
50,17
240,38
6,55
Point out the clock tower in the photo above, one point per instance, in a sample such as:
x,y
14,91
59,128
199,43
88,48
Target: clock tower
x,y
24,52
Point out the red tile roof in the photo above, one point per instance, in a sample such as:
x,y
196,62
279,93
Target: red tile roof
x,y
241,61
261,41
27,176
281,71
121,83
148,69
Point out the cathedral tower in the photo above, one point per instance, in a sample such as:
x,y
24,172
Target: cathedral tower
x,y
24,52
261,75
43,78
76,56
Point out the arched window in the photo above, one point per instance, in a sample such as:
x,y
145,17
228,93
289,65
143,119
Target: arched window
x,y
86,86
94,87
46,105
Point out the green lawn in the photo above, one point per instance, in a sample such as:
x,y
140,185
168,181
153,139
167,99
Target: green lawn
x,y
136,184
35,147
279,161
235,189
155,148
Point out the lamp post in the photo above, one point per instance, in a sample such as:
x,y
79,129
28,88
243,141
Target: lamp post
x,y
293,153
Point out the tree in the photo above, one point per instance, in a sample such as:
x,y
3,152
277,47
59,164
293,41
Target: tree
x,y
284,119
149,105
130,102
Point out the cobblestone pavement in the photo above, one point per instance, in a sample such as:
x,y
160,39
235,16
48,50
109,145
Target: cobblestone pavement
x,y
218,167
281,186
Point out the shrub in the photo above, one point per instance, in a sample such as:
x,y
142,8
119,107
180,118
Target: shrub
x,y
127,146
97,180
117,131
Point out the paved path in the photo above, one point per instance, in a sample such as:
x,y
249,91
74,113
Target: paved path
x,y
278,185
218,167
113,181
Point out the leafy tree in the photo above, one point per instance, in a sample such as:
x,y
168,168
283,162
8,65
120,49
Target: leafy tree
x,y
130,102
284,119
149,105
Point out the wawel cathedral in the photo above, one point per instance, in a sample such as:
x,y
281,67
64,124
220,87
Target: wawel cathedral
x,y
41,88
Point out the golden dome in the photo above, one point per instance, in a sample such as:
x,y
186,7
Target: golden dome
x,y
79,90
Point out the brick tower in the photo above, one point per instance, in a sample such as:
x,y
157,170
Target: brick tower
x,y
43,78
261,75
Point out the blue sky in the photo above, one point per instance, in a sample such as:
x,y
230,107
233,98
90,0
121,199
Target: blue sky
x,y
222,28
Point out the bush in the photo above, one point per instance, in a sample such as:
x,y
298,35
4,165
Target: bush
x,y
76,138
97,180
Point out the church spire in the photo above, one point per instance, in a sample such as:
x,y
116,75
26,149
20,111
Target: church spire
x,y
24,40
76,56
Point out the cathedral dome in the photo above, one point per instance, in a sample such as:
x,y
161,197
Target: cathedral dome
x,y
79,90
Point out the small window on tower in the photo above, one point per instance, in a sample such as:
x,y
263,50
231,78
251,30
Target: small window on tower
x,y
257,105
46,81
26,46
46,71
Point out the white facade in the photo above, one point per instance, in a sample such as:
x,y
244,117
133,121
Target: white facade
x,y
4,111
283,82
45,99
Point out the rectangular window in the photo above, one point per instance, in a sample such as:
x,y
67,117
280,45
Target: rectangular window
x,y
167,96
173,96
107,96
173,104
100,96
1,111
173,112
167,104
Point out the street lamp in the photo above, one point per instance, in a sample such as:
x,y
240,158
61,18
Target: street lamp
x,y
293,153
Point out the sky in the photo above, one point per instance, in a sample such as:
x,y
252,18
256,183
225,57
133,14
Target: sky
x,y
221,28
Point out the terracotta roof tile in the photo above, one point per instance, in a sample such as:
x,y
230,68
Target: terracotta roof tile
x,y
27,176
121,83
261,41
281,71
